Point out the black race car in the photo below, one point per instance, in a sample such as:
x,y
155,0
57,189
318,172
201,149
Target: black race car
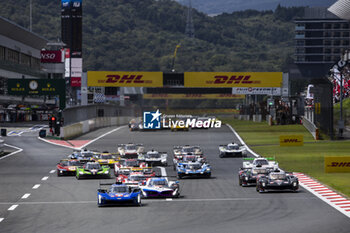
x,y
249,176
277,180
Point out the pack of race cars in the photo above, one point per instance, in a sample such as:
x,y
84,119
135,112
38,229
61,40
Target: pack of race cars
x,y
138,173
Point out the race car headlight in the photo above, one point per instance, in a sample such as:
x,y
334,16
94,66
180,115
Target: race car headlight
x,y
208,169
106,172
246,178
175,192
294,184
263,184
81,173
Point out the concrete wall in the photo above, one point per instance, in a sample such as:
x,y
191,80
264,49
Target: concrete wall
x,y
77,129
311,127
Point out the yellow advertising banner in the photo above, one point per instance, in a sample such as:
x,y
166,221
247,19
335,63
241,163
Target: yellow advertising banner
x,y
124,79
337,164
291,140
192,96
233,79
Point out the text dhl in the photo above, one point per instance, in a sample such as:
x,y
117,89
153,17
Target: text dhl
x,y
219,79
114,78
341,164
290,140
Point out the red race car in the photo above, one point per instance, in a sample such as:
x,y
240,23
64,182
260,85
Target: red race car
x,y
68,167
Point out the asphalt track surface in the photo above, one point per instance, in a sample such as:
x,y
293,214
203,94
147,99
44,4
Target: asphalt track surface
x,y
218,204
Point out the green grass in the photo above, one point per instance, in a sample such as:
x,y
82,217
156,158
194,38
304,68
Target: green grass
x,y
309,159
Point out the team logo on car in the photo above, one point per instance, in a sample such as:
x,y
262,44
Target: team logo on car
x,y
151,120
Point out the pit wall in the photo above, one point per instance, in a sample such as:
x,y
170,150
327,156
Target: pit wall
x,y
82,127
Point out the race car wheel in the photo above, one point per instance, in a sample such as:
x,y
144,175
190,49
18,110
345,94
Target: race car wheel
x,y
239,182
58,173
179,176
257,188
221,155
78,177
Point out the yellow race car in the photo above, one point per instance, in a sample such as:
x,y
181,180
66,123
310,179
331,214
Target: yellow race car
x,y
107,159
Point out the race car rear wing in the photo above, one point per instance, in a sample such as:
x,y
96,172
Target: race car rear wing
x,y
268,158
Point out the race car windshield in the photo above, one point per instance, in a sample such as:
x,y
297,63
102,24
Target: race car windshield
x,y
259,171
137,178
119,189
188,150
87,155
130,163
92,166
233,147
131,147
106,157
73,163
189,158
194,166
153,155
277,176
159,182
261,162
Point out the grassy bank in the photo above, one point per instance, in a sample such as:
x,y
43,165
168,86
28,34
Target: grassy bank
x,y
309,159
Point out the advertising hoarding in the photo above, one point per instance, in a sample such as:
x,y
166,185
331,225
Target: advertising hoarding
x,y
232,79
192,96
124,79
256,90
337,164
291,140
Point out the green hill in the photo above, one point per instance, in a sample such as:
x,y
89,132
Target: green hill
x,y
142,35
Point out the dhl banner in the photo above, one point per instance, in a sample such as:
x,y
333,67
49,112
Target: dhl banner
x,y
192,96
291,140
337,164
233,79
124,79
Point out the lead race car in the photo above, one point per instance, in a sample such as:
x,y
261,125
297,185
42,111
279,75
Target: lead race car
x,y
160,187
232,149
154,158
117,194
130,150
93,170
277,180
193,169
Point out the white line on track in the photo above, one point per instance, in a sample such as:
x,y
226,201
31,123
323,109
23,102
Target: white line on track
x,y
1,219
52,171
13,207
241,141
45,178
163,200
163,171
13,153
93,140
101,136
25,196
36,186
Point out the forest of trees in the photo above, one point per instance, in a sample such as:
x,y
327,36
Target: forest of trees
x,y
142,35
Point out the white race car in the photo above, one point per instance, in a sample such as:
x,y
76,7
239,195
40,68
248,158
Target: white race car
x,y
154,157
130,150
232,149
187,150
160,187
260,163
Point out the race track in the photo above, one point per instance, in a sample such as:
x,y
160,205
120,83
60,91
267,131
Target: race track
x,y
218,204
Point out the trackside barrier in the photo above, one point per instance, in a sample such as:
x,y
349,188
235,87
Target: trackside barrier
x,y
311,127
77,129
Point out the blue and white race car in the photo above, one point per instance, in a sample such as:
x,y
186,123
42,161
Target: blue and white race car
x,y
193,169
118,194
160,187
83,155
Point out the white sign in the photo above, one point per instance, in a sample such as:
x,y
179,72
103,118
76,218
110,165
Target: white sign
x,y
77,67
256,90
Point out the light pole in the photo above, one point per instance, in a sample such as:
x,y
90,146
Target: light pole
x,y
173,64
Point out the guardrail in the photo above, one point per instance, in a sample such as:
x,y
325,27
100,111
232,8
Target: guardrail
x,y
77,129
311,127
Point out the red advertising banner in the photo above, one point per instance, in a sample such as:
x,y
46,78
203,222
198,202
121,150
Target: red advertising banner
x,y
49,56
75,82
